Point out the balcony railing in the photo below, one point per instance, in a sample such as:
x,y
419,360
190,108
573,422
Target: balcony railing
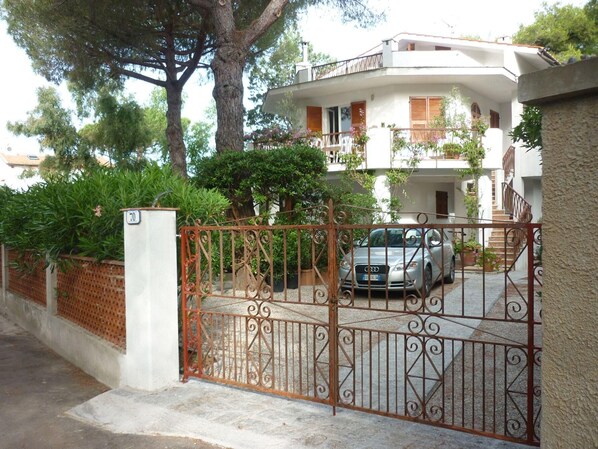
x,y
515,204
427,143
333,145
347,66
424,148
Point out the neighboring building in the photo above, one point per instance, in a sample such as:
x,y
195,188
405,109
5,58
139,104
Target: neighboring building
x,y
397,90
19,171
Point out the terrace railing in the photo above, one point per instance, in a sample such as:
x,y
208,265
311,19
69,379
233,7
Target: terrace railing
x,y
347,66
438,143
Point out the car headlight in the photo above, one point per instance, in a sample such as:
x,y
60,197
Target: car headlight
x,y
402,266
345,265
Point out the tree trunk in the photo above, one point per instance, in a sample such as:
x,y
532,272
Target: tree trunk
x,y
174,129
227,65
232,49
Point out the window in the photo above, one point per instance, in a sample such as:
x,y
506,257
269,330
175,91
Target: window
x,y
337,119
423,111
411,46
441,48
494,119
393,238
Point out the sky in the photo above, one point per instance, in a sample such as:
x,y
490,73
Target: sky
x,y
322,28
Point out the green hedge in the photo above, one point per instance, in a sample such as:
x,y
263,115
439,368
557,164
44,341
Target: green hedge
x,y
82,214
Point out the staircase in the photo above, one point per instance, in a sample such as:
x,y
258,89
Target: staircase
x,y
499,235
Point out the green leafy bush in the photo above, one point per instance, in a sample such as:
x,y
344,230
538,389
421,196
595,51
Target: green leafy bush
x,y
296,172
82,214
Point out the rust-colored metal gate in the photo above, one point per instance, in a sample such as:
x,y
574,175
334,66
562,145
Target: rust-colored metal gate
x,y
269,307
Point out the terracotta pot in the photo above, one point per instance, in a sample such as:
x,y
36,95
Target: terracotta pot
x,y
309,276
468,258
451,155
489,266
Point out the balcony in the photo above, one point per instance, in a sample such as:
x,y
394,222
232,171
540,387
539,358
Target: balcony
x,y
420,148
347,67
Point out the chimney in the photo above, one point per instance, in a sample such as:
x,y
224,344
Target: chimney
x,y
303,68
305,48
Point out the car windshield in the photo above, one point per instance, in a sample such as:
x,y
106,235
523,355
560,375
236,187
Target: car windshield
x,y
393,238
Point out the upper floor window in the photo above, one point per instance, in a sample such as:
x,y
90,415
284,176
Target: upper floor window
x,y
494,119
336,120
423,112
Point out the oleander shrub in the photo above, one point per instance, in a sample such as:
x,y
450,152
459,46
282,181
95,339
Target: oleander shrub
x,y
82,214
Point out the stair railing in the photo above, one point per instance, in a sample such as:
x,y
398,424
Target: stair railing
x,y
508,163
515,204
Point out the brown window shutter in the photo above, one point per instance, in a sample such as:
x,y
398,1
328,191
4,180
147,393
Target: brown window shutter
x,y
434,108
314,118
423,111
411,46
494,119
419,115
358,114
418,110
441,204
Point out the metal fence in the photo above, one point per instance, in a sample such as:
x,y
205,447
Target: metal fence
x,y
342,314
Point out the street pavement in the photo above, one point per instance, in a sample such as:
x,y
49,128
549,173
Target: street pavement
x,y
45,402
38,388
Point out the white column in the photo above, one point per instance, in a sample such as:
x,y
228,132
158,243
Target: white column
x,y
152,358
383,195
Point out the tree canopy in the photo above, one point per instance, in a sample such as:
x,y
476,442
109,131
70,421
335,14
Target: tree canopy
x,y
239,30
53,127
88,43
127,133
275,67
566,31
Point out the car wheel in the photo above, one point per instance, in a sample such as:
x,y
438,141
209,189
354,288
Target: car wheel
x,y
450,277
427,282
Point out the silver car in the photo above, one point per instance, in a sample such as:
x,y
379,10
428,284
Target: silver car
x,y
399,259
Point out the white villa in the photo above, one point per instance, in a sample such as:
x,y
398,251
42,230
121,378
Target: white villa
x,y
397,89
19,171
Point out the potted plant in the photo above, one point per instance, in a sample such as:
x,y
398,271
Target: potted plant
x,y
468,251
452,150
489,260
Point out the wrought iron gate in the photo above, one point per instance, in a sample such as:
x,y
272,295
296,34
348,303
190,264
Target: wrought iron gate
x,y
269,307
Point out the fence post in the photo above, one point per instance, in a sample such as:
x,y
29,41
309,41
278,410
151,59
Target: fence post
x,y
4,270
152,357
51,287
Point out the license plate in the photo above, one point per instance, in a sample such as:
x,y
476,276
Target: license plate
x,y
371,277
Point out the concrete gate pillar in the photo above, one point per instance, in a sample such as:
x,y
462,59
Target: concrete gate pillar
x,y
568,98
152,357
